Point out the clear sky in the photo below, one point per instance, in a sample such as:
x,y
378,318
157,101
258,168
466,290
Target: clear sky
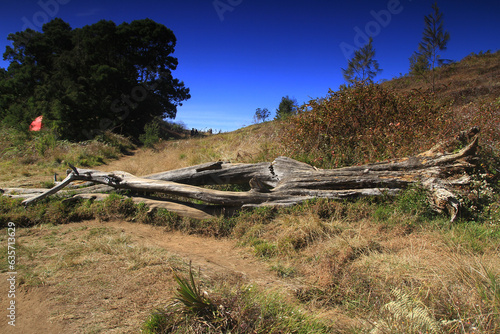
x,y
239,55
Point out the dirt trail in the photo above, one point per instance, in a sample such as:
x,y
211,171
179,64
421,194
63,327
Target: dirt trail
x,y
210,254
102,296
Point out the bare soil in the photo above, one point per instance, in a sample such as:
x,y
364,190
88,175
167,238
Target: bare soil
x,y
82,278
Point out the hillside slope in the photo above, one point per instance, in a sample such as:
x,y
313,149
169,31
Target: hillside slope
x,y
385,265
476,78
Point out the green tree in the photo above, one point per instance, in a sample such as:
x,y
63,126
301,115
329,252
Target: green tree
x,y
92,79
261,115
434,39
287,107
362,67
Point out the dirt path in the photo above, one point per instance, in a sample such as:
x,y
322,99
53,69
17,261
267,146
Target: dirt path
x,y
74,283
212,255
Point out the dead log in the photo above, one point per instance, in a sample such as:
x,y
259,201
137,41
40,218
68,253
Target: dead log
x,y
218,173
287,182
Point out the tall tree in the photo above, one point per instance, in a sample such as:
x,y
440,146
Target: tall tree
x,y
362,67
434,39
287,107
95,78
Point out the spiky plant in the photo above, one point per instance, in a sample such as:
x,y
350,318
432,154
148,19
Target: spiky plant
x,y
190,295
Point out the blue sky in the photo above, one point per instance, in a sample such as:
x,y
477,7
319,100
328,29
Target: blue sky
x,y
239,55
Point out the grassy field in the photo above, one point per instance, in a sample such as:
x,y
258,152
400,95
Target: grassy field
x,y
372,265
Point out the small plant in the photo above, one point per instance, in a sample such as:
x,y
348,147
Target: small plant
x,y
264,249
190,295
156,323
284,271
48,184
407,315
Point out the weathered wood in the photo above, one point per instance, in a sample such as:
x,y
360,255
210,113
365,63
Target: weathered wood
x,y
286,181
218,173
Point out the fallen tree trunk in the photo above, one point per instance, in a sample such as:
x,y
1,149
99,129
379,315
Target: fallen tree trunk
x,y
286,181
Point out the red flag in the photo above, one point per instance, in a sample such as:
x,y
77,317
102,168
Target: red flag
x,y
36,125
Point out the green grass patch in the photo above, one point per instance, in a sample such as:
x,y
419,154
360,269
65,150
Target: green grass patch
x,y
473,236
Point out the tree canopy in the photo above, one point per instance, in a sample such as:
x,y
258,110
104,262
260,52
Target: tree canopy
x,y
91,79
362,67
287,107
261,115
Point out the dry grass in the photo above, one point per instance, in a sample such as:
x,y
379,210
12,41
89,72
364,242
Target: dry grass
x,y
350,261
251,144
98,278
29,160
362,266
473,78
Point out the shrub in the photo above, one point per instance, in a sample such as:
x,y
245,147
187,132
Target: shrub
x,y
45,140
363,123
151,134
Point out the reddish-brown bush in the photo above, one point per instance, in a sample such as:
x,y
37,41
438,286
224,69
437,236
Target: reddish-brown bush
x,y
364,123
